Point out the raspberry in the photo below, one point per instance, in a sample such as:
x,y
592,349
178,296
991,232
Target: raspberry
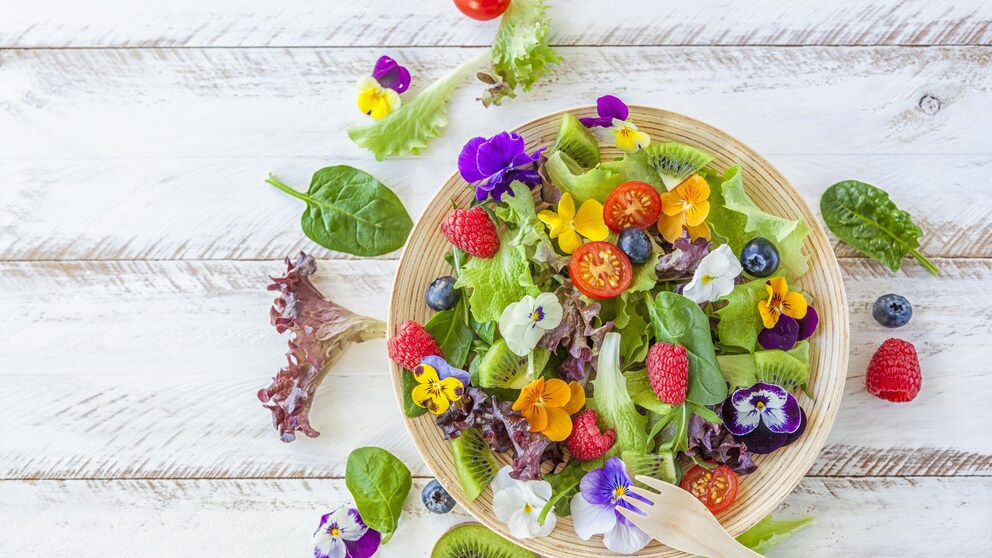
x,y
894,372
472,231
668,371
411,345
586,442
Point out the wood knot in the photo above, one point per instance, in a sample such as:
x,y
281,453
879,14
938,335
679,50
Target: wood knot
x,y
930,104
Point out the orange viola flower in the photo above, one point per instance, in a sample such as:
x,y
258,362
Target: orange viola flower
x,y
781,301
686,206
547,406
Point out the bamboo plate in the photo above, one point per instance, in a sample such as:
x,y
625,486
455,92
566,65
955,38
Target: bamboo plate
x,y
779,473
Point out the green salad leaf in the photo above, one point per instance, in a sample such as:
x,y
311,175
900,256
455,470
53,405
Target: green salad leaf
x,y
736,218
635,336
571,178
409,129
451,330
770,531
349,211
379,483
564,485
410,409
519,211
613,403
680,321
497,282
866,218
740,321
641,393
520,52
645,276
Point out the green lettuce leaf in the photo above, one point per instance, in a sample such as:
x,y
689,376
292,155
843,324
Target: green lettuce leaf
x,y
409,129
613,404
594,184
520,212
520,52
645,276
736,218
740,321
641,393
770,531
497,282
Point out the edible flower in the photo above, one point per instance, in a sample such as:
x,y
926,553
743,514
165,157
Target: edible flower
x,y
612,125
379,94
609,109
781,301
523,323
686,206
626,136
567,225
594,509
438,384
714,277
548,404
343,534
494,163
768,405
519,503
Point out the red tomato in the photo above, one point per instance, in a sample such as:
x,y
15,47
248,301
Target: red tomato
x,y
632,204
717,488
482,9
600,270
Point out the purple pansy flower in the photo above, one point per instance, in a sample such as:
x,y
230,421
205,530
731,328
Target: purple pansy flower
x,y
594,509
766,405
496,162
445,370
783,336
608,107
391,75
343,534
807,325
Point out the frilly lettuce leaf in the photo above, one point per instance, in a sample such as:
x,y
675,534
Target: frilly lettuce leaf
x,y
497,282
519,211
770,531
520,52
409,129
594,184
740,321
645,276
613,404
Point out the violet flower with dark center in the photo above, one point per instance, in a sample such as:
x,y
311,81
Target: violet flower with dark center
x,y
608,107
391,75
492,164
594,509
343,534
764,416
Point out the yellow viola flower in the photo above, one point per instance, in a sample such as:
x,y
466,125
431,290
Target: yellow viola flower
x,y
626,136
686,206
567,225
548,406
781,301
433,393
375,100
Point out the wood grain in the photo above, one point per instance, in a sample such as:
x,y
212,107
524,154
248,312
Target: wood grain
x,y
231,23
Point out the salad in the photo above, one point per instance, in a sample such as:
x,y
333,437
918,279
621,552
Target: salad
x,y
604,318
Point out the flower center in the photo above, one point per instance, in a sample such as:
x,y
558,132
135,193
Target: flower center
x,y
334,531
619,491
707,279
760,405
537,315
527,508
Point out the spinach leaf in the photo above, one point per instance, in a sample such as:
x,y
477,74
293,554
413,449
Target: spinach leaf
x,y
564,485
348,210
864,217
379,483
680,321
410,409
451,330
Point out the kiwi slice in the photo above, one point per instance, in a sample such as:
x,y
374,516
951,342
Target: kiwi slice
x,y
475,541
501,368
787,369
661,466
577,142
675,161
568,176
474,462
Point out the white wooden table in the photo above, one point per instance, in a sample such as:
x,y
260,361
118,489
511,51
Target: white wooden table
x,y
136,235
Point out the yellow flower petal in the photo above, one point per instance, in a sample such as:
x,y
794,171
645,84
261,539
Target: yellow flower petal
x,y
559,425
555,223
421,394
377,101
425,374
566,208
528,395
577,400
670,226
438,405
696,213
589,221
452,389
699,231
769,315
794,304
569,241
694,189
537,417
556,393
777,287
672,203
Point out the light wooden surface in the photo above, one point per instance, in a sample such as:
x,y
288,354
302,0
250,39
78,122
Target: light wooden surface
x,y
136,234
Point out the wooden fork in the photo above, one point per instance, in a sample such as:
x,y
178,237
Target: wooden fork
x,y
677,519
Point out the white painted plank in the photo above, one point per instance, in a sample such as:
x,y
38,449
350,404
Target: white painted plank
x,y
150,369
53,23
925,518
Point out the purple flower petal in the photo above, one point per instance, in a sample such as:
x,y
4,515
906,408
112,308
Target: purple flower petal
x,y
782,413
736,422
391,75
494,163
783,336
596,487
608,107
808,324
762,440
468,161
498,152
445,370
799,431
364,547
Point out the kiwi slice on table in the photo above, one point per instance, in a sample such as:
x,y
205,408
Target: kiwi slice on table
x,y
661,466
501,368
474,462
475,541
675,161
575,140
787,369
570,177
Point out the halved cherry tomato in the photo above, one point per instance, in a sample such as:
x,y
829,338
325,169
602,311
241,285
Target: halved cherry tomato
x,y
632,204
600,270
716,488
482,10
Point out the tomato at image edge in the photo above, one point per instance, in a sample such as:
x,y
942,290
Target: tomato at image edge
x,y
729,493
618,203
621,268
482,10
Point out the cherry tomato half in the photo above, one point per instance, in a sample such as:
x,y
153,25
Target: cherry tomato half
x,y
716,488
600,270
632,204
482,10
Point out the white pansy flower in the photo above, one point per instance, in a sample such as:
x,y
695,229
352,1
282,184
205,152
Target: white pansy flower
x,y
523,323
519,503
714,277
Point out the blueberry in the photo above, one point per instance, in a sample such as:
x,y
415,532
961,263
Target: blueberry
x,y
436,498
759,257
635,243
442,294
892,310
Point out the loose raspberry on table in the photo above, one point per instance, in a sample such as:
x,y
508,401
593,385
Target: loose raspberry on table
x,y
894,372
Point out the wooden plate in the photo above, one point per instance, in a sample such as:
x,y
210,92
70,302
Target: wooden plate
x,y
779,473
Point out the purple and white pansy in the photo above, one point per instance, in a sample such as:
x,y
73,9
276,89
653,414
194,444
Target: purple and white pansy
x,y
594,509
765,417
492,164
379,93
609,108
612,125
343,534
